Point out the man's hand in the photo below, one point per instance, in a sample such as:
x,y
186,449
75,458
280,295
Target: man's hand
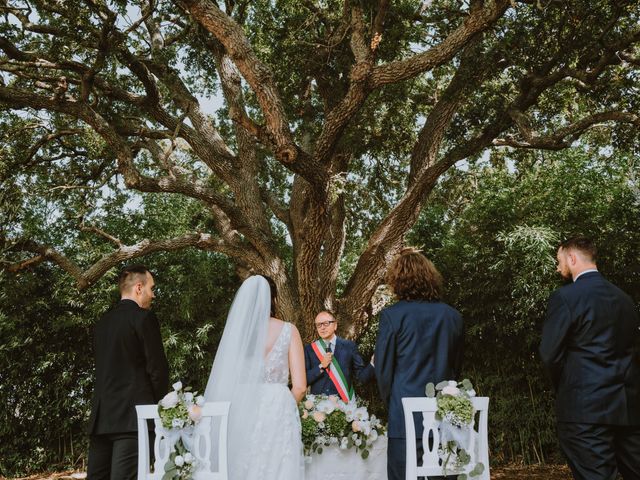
x,y
326,360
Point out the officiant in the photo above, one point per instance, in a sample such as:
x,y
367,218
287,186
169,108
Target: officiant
x,y
332,362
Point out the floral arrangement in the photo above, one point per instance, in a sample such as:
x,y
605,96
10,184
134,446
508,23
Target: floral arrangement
x,y
456,415
181,464
327,420
180,410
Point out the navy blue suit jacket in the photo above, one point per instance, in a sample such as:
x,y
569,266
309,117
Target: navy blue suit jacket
x,y
418,342
590,347
351,363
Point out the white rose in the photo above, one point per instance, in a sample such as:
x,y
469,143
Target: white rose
x,y
188,397
471,393
177,386
170,400
366,427
358,442
200,400
453,383
179,460
361,413
450,390
373,436
354,437
344,443
188,457
326,406
177,423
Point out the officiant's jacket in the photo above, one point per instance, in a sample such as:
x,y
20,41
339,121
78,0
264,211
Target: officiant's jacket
x,y
351,362
590,345
131,367
418,342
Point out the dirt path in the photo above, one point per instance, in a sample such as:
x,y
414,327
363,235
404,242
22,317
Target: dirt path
x,y
514,472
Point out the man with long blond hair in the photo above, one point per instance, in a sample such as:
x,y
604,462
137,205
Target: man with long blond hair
x,y
419,341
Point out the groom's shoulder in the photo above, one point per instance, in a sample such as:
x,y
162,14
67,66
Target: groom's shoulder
x,y
131,311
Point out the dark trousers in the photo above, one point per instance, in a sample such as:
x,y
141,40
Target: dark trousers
x,y
600,452
113,457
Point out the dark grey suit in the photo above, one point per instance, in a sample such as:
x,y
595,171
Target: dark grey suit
x,y
418,342
131,369
590,345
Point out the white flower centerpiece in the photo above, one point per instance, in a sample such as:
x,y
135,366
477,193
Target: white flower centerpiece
x,y
180,410
327,420
456,415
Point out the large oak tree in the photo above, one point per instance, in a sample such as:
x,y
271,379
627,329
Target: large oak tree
x,y
306,135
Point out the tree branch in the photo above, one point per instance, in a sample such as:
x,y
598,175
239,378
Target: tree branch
x,y
88,277
478,21
564,137
260,79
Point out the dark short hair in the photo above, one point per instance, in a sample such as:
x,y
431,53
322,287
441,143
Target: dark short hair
x,y
583,244
412,276
130,275
274,294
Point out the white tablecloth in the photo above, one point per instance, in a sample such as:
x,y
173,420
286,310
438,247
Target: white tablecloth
x,y
336,464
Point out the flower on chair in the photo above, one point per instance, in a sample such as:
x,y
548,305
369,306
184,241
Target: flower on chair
x,y
179,411
456,415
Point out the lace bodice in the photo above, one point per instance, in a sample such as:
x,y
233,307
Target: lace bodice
x,y
277,361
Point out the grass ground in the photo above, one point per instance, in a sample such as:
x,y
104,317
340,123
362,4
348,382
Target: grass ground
x,y
512,472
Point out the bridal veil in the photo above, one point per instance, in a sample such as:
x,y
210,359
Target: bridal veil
x,y
238,370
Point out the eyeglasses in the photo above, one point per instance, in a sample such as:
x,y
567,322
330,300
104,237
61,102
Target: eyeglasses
x,y
324,324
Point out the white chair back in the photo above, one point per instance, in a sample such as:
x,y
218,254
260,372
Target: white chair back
x,y
202,443
478,448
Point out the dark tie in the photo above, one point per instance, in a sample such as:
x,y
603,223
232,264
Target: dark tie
x,y
329,347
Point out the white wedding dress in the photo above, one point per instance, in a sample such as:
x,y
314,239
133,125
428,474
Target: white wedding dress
x,y
276,443
264,433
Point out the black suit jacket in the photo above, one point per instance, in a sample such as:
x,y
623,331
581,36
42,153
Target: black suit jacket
x,y
418,342
131,367
351,363
590,347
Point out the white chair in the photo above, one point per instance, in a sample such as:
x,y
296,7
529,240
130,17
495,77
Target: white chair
x,y
478,448
202,447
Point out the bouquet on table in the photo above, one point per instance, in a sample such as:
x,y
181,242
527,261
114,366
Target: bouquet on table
x,y
327,420
180,410
456,415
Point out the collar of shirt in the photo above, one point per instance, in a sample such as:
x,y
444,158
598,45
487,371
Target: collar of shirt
x,y
331,342
586,271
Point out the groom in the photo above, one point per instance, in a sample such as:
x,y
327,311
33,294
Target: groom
x,y
591,347
131,369
331,362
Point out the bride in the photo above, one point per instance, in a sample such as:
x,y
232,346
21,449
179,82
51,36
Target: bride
x,y
251,370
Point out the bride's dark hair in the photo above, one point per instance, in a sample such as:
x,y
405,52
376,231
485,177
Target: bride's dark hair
x,y
274,294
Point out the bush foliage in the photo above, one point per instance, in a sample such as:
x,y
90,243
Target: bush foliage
x,y
491,227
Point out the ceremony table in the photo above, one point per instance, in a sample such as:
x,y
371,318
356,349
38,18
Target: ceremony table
x,y
336,464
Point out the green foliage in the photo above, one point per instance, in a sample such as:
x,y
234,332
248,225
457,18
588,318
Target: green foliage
x,y
460,407
309,430
46,358
336,423
493,229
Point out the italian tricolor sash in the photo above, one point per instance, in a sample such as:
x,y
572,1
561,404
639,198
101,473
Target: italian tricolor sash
x,y
335,372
